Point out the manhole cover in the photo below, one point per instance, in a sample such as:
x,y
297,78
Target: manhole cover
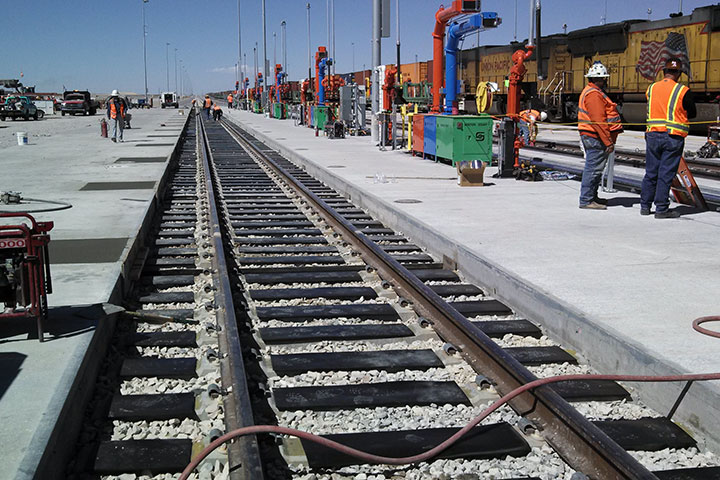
x,y
408,200
336,166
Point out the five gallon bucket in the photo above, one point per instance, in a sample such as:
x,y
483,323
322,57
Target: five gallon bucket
x,y
22,138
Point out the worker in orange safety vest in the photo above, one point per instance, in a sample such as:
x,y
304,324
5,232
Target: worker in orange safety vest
x,y
596,114
116,108
230,100
217,112
207,104
527,124
670,105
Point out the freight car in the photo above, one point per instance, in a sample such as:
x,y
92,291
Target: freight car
x,y
633,50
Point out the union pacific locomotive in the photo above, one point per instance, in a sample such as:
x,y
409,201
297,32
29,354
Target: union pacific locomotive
x,y
633,51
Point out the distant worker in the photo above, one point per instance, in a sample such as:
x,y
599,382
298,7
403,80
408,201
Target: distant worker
x,y
527,124
230,100
670,105
116,108
207,104
596,113
217,112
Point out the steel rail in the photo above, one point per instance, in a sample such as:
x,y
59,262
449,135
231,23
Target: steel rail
x,y
581,444
243,453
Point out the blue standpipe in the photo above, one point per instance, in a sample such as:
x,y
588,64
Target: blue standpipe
x,y
456,32
278,82
324,63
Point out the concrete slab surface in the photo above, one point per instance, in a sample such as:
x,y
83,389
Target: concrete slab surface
x,y
89,245
620,288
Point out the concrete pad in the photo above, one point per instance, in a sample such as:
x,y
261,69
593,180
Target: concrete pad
x,y
91,248
620,288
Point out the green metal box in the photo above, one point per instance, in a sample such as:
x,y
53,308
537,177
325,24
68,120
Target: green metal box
x,y
320,117
279,110
464,137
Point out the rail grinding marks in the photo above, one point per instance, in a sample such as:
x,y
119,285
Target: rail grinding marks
x,y
499,440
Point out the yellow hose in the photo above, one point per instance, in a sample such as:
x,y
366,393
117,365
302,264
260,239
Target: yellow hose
x,y
483,97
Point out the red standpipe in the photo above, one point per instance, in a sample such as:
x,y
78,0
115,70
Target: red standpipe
x,y
442,16
517,74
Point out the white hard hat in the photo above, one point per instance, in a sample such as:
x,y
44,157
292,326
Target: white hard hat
x,y
597,69
543,116
114,93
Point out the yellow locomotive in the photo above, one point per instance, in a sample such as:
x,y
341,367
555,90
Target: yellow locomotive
x,y
633,51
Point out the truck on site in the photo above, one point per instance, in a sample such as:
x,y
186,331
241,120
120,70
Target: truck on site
x,y
78,101
19,107
169,99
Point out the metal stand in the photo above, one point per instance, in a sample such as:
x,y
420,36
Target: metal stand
x,y
506,148
608,174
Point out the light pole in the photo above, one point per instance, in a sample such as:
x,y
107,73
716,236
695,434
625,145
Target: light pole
x,y
376,56
167,65
397,33
240,54
182,82
176,69
309,50
265,73
353,56
283,40
274,51
334,57
145,47
255,53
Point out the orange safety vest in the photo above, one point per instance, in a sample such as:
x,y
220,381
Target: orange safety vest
x,y
529,116
665,110
612,116
207,103
216,107
230,98
113,109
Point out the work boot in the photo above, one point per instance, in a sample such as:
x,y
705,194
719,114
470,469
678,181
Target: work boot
x,y
644,211
113,139
667,214
593,206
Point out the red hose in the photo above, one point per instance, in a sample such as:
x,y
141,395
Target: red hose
x,y
371,458
705,331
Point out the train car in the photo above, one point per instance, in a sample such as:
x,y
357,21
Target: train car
x,y
633,51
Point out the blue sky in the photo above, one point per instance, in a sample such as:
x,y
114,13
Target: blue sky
x,y
97,44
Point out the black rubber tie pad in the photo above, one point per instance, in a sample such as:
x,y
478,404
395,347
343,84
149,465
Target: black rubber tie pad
x,y
698,473
185,338
387,394
648,434
183,368
142,456
377,311
487,441
279,335
386,360
339,293
134,408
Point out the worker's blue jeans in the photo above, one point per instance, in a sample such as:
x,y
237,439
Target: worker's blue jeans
x,y
524,131
118,126
207,113
662,157
595,159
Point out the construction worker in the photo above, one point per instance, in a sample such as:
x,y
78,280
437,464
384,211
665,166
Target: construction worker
x,y
116,108
207,104
527,125
230,100
217,112
670,105
594,114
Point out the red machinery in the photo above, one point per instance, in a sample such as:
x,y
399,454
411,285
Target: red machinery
x,y
25,269
389,87
517,74
332,84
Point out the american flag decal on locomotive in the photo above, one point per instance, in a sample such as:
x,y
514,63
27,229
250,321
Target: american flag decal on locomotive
x,y
653,55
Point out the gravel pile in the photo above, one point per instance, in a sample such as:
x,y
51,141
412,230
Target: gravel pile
x,y
316,301
360,377
154,385
352,346
208,470
196,430
176,352
168,327
670,458
511,340
318,322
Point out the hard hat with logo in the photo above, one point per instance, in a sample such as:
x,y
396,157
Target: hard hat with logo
x,y
673,64
543,116
596,70
114,93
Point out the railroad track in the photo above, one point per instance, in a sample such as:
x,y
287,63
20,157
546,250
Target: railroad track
x,y
700,167
293,307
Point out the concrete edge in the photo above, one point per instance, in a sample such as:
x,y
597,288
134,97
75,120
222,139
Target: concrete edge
x,y
63,438
135,245
58,448
699,411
